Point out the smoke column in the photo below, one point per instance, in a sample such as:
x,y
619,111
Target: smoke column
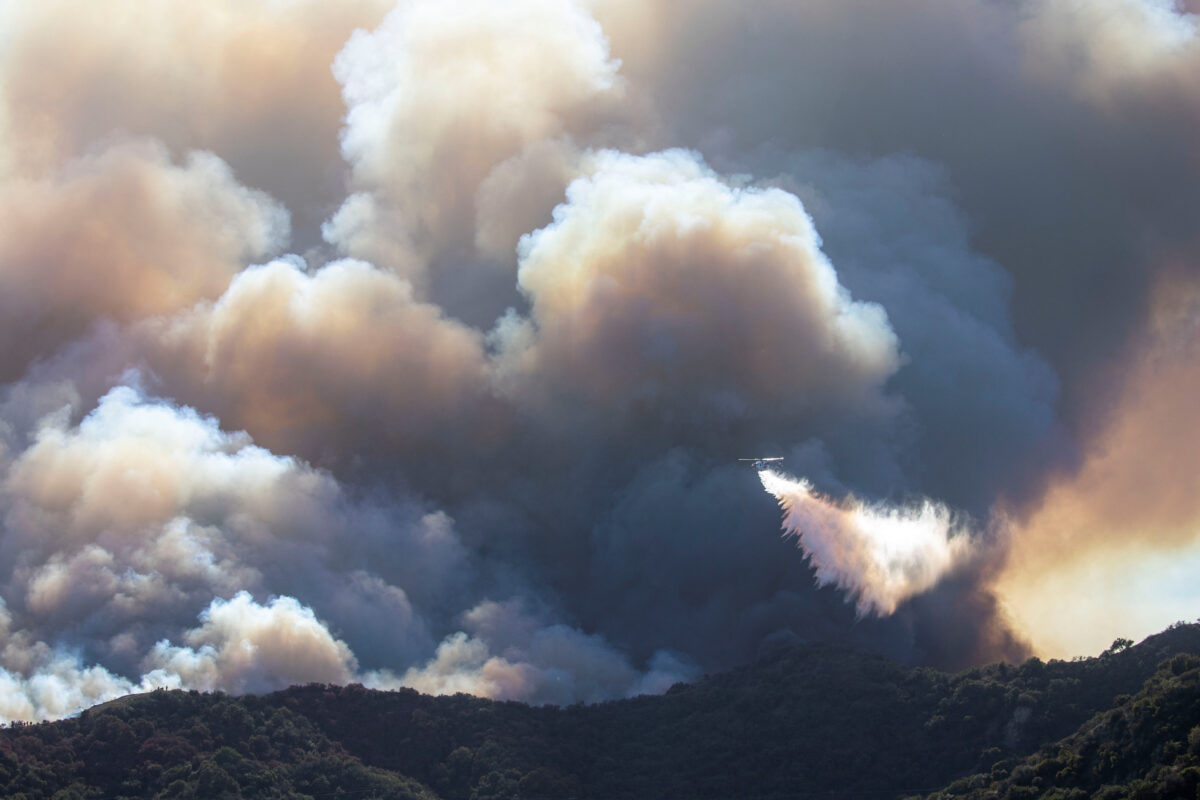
x,y
879,555
349,342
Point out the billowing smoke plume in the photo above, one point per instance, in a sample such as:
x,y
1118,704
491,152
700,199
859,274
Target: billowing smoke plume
x,y
250,83
413,343
64,268
881,556
129,524
659,287
510,654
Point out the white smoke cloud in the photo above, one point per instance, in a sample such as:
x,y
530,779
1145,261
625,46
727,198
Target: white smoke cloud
x,y
118,530
134,464
1105,48
122,233
510,654
242,646
248,81
38,683
136,517
518,194
879,555
328,363
660,285
125,525
60,689
438,96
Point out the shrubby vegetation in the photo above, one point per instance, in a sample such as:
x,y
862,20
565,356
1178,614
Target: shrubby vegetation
x,y
813,721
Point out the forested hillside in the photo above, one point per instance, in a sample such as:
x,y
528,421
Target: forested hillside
x,y
1147,747
811,721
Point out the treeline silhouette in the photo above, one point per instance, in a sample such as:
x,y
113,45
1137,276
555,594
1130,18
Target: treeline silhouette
x,y
812,721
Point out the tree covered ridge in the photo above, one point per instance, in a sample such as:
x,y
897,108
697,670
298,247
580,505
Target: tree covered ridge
x,y
1146,747
809,721
187,744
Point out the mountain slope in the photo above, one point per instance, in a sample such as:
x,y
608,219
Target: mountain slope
x,y
1146,747
813,721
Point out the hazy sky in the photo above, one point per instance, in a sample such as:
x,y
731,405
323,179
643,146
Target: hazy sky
x,y
416,343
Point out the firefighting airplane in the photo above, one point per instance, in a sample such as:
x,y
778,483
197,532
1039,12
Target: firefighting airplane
x,y
761,463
